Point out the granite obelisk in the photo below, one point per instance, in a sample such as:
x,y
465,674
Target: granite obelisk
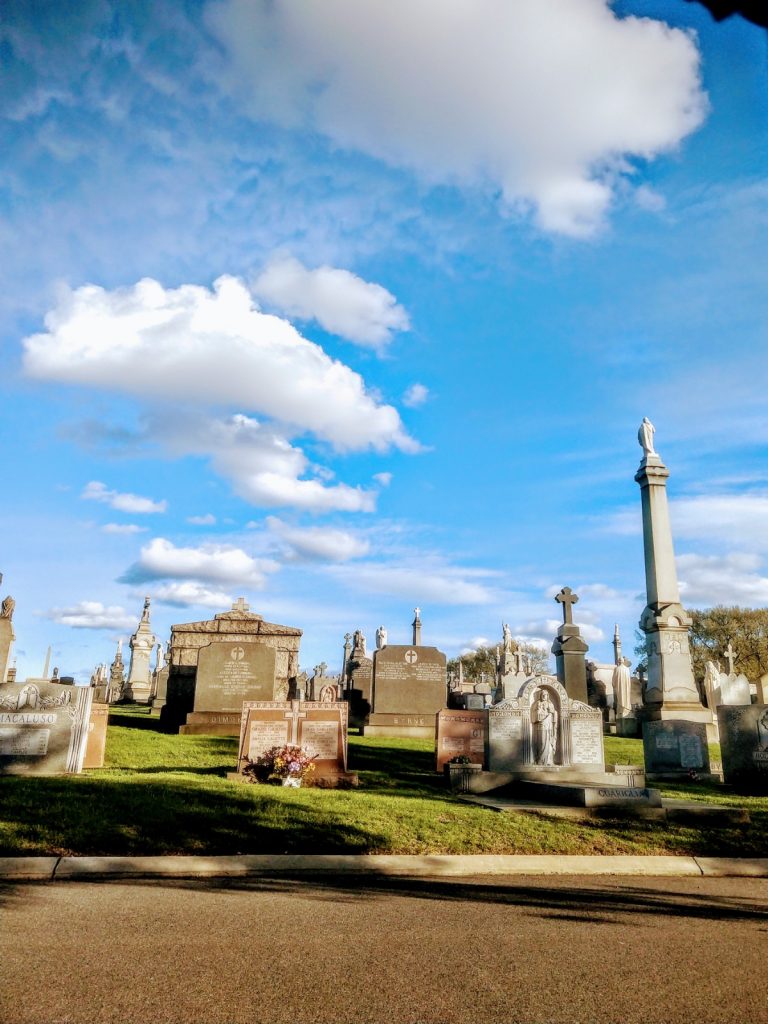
x,y
671,692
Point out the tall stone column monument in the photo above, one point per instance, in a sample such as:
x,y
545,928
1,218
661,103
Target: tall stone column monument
x,y
139,685
670,693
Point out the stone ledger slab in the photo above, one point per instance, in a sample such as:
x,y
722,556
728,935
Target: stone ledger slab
x,y
319,727
744,746
43,728
675,748
460,732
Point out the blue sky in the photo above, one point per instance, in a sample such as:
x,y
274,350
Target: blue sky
x,y
349,308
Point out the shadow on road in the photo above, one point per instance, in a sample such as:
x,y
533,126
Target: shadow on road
x,y
565,900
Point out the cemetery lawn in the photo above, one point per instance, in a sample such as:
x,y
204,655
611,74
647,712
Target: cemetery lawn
x,y
161,794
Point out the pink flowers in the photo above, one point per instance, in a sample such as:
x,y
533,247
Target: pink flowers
x,y
280,763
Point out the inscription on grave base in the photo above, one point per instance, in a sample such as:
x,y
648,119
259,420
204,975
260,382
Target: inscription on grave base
x,y
586,741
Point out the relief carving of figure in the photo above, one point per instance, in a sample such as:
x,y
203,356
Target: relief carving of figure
x,y
328,694
546,729
6,609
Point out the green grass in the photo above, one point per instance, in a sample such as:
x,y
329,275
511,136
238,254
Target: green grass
x,y
161,794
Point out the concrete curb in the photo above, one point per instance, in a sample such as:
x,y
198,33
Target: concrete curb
x,y
117,868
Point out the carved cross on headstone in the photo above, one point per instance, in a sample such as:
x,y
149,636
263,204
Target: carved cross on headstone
x,y
241,605
730,655
567,599
294,715
411,657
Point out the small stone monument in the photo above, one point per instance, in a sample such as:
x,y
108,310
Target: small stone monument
x,y
43,728
319,728
543,728
675,749
744,746
138,688
569,650
734,687
460,733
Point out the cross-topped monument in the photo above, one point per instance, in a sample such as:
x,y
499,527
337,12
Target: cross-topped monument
x,y
241,605
567,599
730,654
569,650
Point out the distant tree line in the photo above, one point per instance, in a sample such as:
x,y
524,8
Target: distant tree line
x,y
482,661
746,629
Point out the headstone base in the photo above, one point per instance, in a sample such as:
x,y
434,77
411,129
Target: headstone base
x,y
211,723
627,727
422,726
672,712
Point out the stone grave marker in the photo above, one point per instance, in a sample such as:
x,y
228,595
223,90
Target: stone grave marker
x,y
319,727
744,746
409,688
543,729
675,748
227,675
97,736
460,732
43,728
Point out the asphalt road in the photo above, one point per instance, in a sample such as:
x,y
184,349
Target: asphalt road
x,y
350,950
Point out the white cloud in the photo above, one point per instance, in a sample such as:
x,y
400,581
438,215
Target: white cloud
x,y
548,101
123,528
649,199
218,349
425,583
319,542
338,300
707,580
416,395
133,503
206,520
543,631
735,520
93,615
264,468
211,563
384,479
182,595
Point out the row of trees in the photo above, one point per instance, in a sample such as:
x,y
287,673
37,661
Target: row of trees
x,y
482,661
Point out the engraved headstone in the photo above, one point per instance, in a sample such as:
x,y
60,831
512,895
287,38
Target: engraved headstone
x,y
460,733
675,748
409,683
744,746
227,675
734,689
43,728
318,728
544,729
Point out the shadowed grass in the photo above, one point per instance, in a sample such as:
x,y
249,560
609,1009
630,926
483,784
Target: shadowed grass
x,y
163,794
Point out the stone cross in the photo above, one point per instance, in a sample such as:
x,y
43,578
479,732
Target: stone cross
x,y
567,599
294,715
730,655
241,605
411,657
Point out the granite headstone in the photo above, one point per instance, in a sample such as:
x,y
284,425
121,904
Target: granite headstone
x,y
744,746
43,728
460,733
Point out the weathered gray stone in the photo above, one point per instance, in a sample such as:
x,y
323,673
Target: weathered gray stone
x,y
543,729
43,728
569,650
675,748
744,746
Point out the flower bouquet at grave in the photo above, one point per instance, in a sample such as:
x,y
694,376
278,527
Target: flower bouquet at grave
x,y
461,759
287,765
